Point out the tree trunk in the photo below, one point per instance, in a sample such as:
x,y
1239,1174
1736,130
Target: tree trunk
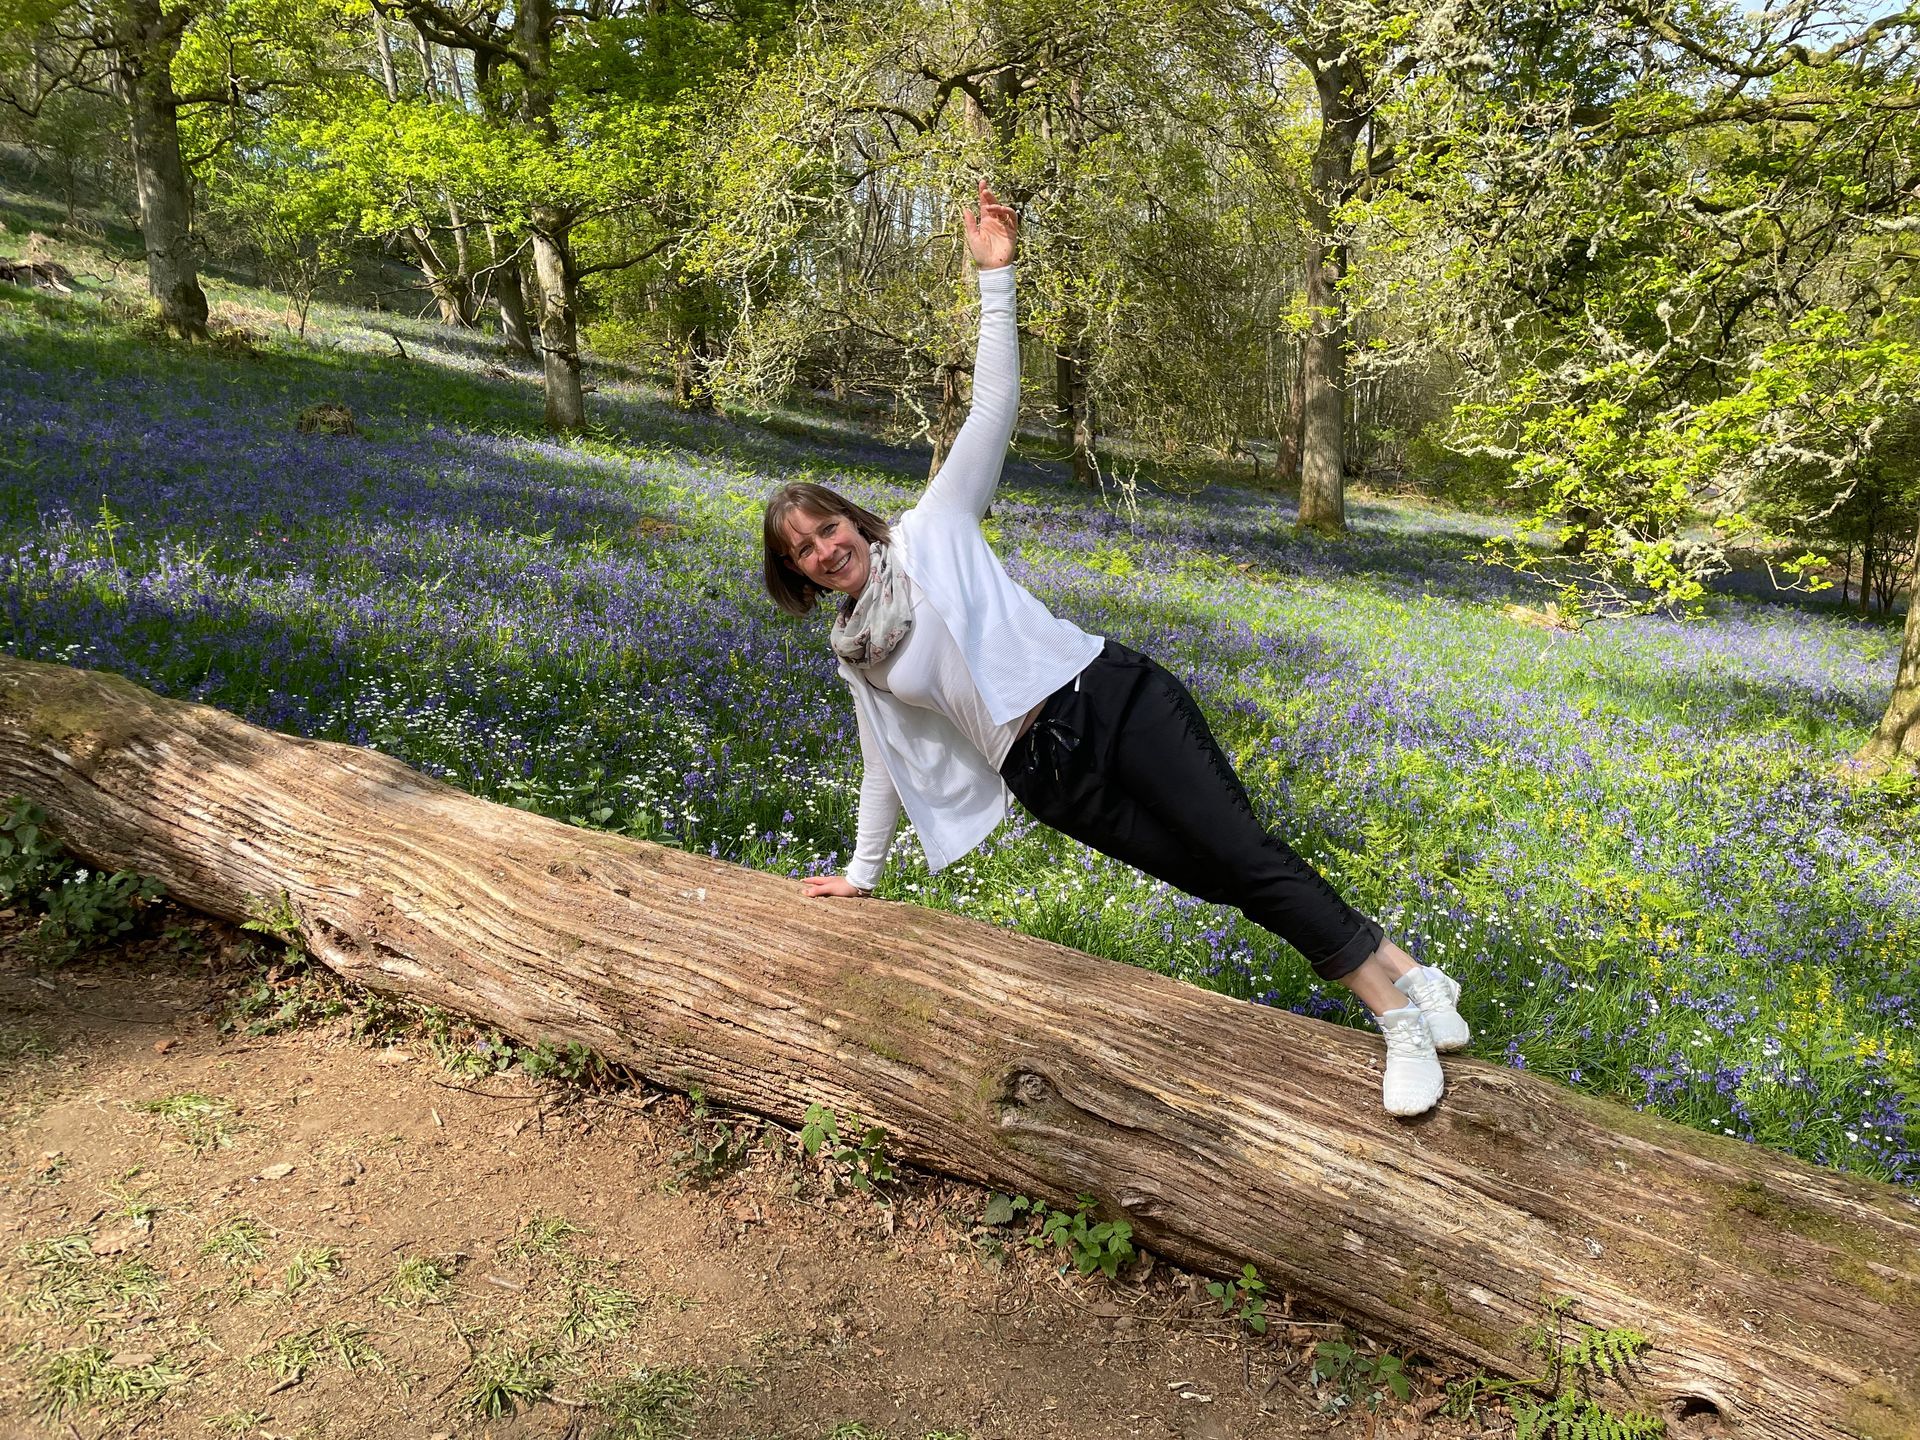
x,y
551,228
145,41
559,330
1324,361
691,389
1897,738
512,300
1286,463
1780,1300
1075,410
946,420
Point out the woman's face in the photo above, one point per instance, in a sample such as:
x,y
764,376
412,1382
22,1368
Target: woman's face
x,y
829,550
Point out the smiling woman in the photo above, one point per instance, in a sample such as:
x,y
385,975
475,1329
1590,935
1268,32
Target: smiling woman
x,y
967,689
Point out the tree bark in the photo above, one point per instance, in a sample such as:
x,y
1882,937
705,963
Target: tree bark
x,y
551,229
1075,410
1897,738
146,39
1780,1300
1324,360
512,300
559,327
947,419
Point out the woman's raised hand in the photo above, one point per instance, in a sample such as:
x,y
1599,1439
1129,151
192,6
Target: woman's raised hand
x,y
992,231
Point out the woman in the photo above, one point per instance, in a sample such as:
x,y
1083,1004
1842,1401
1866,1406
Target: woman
x,y
965,688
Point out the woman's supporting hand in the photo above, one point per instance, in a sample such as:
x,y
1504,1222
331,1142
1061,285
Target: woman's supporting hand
x,y
992,231
817,887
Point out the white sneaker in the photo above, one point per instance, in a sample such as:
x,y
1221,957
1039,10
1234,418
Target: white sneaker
x,y
1437,994
1413,1081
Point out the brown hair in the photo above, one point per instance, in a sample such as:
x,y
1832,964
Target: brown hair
x,y
791,590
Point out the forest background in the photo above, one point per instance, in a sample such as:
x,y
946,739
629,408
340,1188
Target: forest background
x,y
1620,297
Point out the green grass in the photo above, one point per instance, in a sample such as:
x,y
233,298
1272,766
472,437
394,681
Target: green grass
x,y
199,1119
512,1374
70,1383
417,1281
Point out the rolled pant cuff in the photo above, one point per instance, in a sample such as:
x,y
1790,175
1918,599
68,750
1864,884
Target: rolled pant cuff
x,y
1352,955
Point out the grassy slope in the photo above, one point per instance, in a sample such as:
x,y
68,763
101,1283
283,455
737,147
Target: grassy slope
x,y
1626,842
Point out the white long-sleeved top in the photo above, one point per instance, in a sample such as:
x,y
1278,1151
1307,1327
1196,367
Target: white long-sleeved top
x,y
1016,652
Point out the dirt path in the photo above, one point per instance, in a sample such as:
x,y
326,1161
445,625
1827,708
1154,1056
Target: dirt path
x,y
243,1242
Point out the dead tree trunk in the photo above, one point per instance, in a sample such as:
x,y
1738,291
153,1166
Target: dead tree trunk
x,y
1781,1300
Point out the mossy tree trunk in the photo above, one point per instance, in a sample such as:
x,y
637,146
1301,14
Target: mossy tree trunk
x,y
1780,1300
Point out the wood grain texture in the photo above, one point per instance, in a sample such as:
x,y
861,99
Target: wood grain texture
x,y
1781,1300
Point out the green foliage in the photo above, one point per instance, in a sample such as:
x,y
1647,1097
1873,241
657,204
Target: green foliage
x,y
1357,1374
90,909
30,861
1103,1245
79,908
597,1312
1575,1417
1587,1354
715,1148
859,1161
1244,1298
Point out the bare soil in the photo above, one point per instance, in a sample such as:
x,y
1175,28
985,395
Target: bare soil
x,y
761,1302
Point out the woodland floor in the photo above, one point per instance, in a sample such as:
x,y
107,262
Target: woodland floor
x,y
756,1304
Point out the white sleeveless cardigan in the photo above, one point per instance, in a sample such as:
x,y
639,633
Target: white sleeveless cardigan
x,y
1016,651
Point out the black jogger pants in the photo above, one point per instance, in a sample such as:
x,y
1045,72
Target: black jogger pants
x,y
1121,759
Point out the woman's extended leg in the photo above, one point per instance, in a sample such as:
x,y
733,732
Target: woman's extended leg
x,y
1126,763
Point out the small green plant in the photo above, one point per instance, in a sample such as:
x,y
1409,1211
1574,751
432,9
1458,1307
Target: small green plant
x,y
544,1238
598,1312
1355,1374
572,1064
1244,1298
715,1149
292,1357
199,1118
1103,1245
21,1045
236,1424
1576,1417
1584,1353
276,1003
277,919
860,1161
649,1404
89,908
238,1242
417,1281
30,862
71,1382
310,1264
501,1380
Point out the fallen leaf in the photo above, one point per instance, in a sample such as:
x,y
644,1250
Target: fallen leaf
x,y
160,1047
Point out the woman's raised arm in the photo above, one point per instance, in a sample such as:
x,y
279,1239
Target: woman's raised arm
x,y
971,472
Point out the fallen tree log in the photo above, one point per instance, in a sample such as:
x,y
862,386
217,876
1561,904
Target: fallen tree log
x,y
1777,1299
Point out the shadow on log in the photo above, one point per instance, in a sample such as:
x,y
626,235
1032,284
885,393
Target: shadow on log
x,y
1780,1300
